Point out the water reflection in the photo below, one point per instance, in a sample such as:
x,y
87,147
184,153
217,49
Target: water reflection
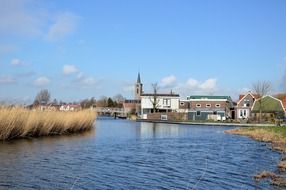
x,y
121,154
157,130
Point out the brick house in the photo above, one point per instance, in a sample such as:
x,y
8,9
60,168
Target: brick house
x,y
210,108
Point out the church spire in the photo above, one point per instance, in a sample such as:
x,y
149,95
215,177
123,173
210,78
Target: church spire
x,y
138,78
138,87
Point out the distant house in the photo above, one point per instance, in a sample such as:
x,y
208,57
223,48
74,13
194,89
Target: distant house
x,y
184,106
164,103
70,107
271,107
210,107
244,105
132,106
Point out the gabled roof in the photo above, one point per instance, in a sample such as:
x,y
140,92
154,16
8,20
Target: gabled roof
x,y
269,104
241,97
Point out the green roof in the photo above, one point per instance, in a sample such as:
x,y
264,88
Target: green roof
x,y
269,104
200,97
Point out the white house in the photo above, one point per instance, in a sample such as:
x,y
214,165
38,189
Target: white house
x,y
164,103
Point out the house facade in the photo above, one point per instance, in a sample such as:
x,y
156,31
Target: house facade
x,y
210,108
164,103
244,105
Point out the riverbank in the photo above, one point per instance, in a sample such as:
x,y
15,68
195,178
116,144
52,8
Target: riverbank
x,y
21,123
274,135
207,123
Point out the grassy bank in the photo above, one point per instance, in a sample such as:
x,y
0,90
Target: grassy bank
x,y
19,123
277,137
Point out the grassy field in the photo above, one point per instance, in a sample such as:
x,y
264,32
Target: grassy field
x,y
20,123
274,135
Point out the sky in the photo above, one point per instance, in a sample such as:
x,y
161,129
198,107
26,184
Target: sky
x,y
94,48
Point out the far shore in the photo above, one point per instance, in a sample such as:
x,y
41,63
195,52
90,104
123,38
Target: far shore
x,y
208,123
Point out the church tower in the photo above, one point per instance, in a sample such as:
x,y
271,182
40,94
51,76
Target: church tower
x,y
138,88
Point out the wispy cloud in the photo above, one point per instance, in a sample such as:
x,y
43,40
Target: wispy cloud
x,y
18,17
83,81
69,69
64,24
16,62
5,79
42,81
168,82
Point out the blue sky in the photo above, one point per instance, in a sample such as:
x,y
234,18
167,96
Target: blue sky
x,y
83,49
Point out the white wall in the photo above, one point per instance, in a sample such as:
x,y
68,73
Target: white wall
x,y
146,102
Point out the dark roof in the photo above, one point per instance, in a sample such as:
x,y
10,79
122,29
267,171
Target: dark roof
x,y
199,97
169,95
138,78
132,101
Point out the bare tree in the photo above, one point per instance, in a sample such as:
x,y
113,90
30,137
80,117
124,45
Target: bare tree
x,y
261,88
154,99
43,97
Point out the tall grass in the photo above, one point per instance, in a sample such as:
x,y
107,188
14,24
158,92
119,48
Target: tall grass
x,y
19,122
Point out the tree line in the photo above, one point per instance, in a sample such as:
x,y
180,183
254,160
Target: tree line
x,y
43,97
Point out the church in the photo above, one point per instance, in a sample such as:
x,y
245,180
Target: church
x,y
146,103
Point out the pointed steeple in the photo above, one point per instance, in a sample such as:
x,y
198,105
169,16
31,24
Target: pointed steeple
x,y
138,78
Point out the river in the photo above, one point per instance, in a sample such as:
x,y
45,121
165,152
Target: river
x,y
122,154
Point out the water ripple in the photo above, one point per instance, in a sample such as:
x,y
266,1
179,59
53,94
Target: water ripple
x,y
130,155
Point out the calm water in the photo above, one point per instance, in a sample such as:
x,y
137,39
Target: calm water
x,y
121,154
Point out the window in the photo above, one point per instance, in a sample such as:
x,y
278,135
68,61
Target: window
x,y
198,113
217,105
166,102
208,105
182,103
164,117
198,105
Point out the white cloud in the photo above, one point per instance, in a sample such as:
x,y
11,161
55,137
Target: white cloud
x,y
69,69
209,85
16,62
64,24
20,17
4,79
85,81
42,81
192,83
168,82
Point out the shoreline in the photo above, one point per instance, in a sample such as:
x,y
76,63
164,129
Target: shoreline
x,y
276,136
207,123
268,133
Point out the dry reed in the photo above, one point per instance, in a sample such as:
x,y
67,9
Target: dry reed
x,y
19,122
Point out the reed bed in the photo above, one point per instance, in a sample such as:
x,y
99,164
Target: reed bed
x,y
20,123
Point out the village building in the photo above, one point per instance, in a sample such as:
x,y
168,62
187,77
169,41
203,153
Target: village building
x,y
133,106
244,105
270,107
216,108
